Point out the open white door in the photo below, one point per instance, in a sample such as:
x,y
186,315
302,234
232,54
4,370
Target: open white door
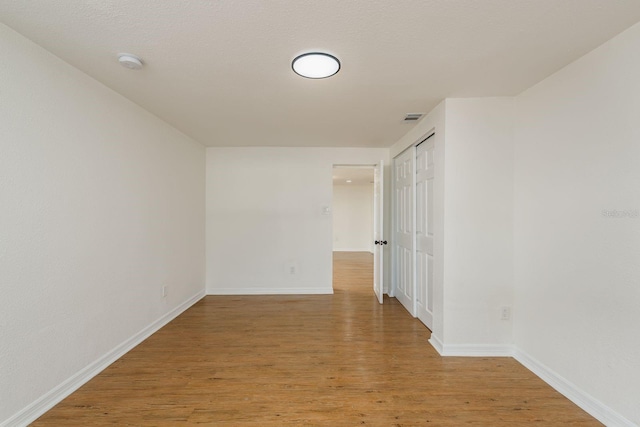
x,y
378,231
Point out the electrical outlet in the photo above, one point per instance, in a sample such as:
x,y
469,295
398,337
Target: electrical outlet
x,y
290,267
505,313
164,291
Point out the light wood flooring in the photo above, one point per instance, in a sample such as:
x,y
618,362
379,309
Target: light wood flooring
x,y
320,360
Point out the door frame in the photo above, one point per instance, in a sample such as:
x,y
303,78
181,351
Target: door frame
x,y
372,167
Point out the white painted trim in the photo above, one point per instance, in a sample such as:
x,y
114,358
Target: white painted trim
x,y
585,401
477,350
354,250
436,343
322,290
396,151
64,389
588,403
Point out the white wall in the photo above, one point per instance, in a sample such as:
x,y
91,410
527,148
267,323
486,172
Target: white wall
x,y
577,270
101,205
352,208
473,199
265,217
478,225
541,210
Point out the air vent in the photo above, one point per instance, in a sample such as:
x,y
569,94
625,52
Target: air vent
x,y
413,117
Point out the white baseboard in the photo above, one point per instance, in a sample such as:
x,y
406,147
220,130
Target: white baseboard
x,y
588,403
436,343
354,250
56,395
471,350
321,290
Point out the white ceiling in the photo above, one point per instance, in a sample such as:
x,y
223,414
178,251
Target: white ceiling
x,y
219,70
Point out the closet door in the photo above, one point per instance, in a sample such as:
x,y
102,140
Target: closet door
x,y
403,237
424,232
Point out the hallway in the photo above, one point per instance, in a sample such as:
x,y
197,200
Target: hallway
x,y
339,359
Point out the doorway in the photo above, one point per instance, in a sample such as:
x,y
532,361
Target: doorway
x,y
357,218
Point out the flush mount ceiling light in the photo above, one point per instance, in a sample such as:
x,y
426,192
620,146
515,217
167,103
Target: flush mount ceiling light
x,y
129,61
316,65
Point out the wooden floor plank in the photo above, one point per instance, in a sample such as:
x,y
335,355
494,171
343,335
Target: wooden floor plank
x,y
339,359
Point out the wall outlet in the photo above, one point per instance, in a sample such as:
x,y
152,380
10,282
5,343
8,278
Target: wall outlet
x,y
165,291
291,267
505,313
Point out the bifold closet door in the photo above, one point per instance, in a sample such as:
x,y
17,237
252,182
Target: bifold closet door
x,y
403,250
424,232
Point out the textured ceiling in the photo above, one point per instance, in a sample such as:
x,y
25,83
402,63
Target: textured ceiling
x,y
219,70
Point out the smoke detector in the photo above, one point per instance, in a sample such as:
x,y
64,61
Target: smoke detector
x,y
129,61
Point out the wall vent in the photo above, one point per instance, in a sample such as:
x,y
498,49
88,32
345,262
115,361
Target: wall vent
x,y
413,117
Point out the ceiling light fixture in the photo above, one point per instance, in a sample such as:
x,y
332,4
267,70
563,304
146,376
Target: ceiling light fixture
x,y
315,65
349,180
129,61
